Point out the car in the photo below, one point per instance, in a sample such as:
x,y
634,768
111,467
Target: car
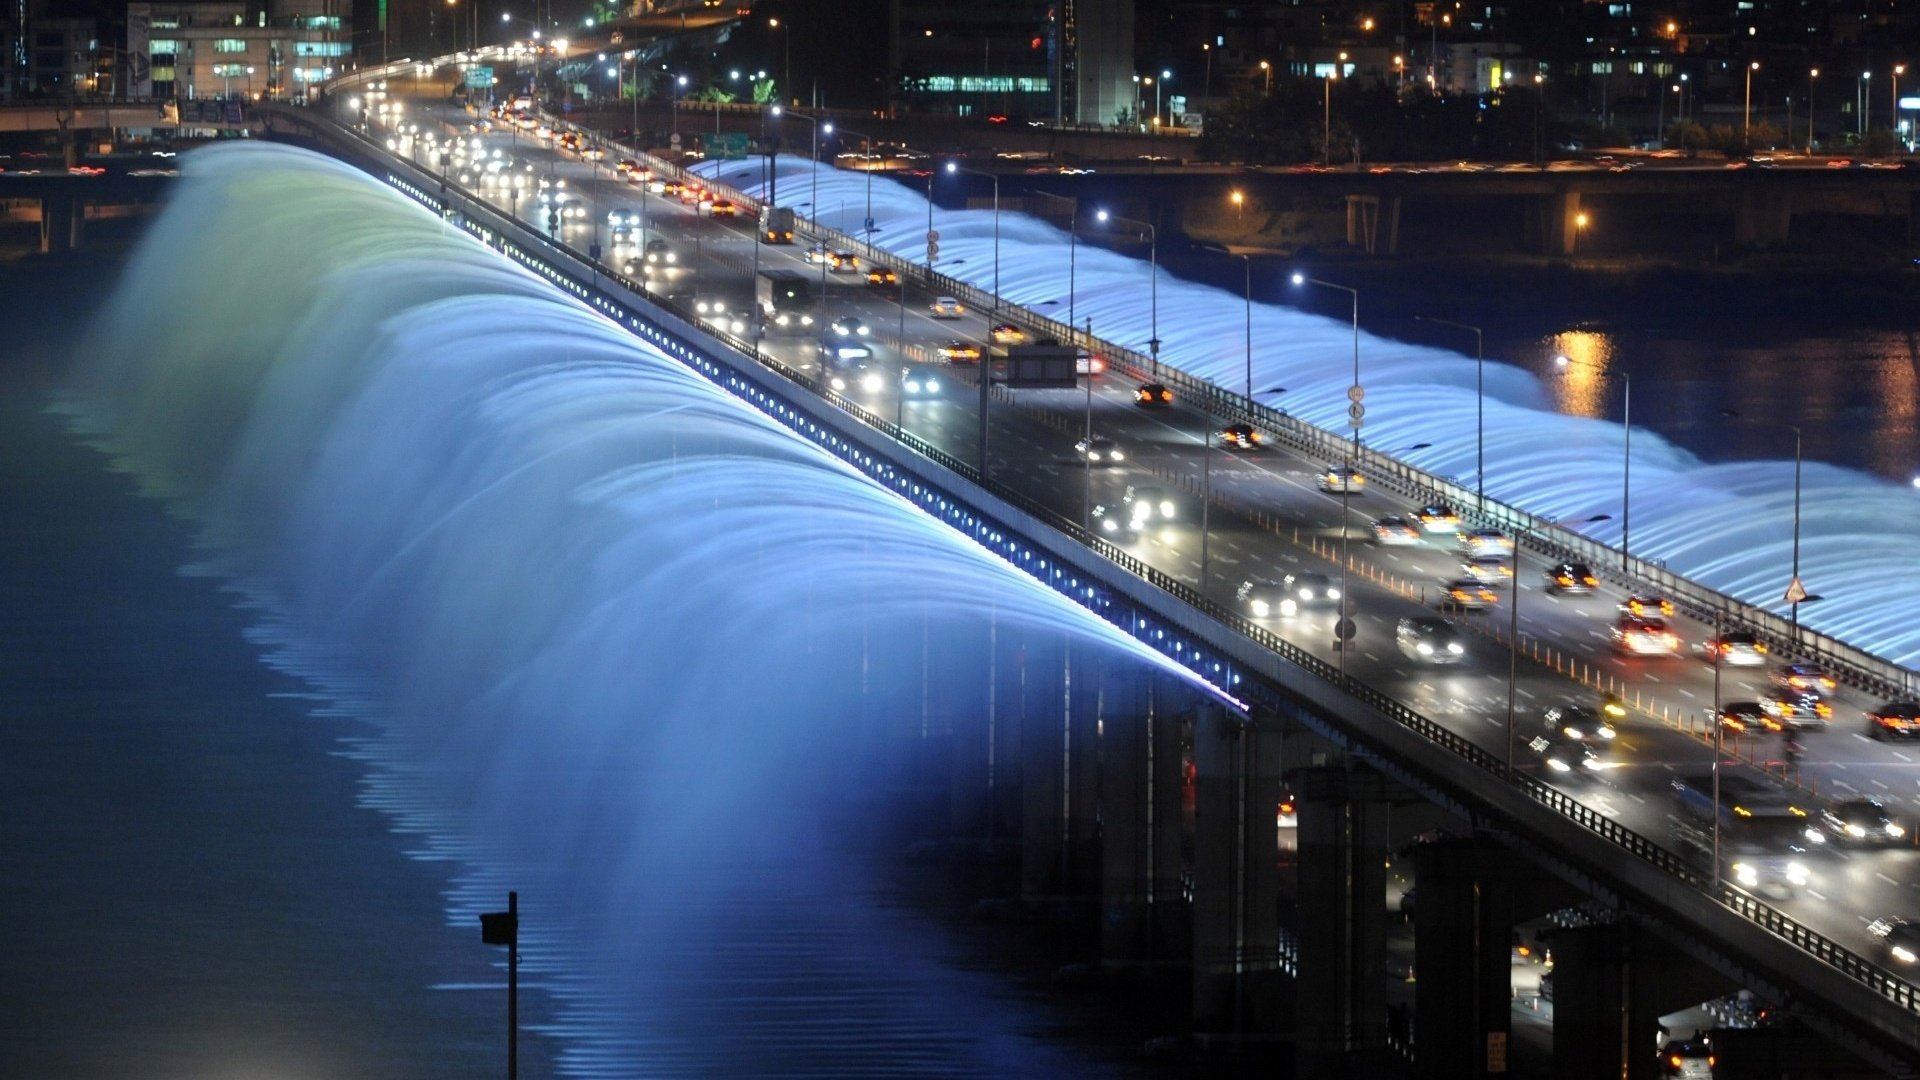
x,y
1901,938
1430,640
818,253
919,381
1797,708
1736,648
1577,721
1803,677
1747,717
723,208
1342,480
838,351
1152,395
1311,588
1572,578
659,254
1007,334
623,217
1148,504
1241,437
1561,753
1638,636
856,377
1687,1059
882,277
1265,599
692,194
1895,720
1489,570
1466,594
1484,542
843,262
715,314
960,352
1438,518
1395,531
1860,821
1089,364
849,326
945,307
1642,604
673,187
1099,450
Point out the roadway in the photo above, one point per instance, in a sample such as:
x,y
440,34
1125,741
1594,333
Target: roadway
x,y
1269,518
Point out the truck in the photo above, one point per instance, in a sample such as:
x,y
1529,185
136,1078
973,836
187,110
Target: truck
x,y
1764,832
776,224
785,299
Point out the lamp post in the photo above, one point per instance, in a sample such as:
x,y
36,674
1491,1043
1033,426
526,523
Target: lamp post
x,y
1626,444
1480,405
1153,280
1746,127
786,84
986,361
1267,70
1898,70
1206,83
1866,103
1812,74
1157,87
679,85
1513,625
1355,412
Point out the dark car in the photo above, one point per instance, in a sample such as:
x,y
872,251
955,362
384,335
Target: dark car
x,y
1747,718
1240,437
883,277
1902,941
1582,722
1153,395
1430,640
1312,588
1572,578
1562,754
1803,677
1895,720
1862,821
1797,708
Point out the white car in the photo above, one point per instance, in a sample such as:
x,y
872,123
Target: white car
x,y
946,307
1099,451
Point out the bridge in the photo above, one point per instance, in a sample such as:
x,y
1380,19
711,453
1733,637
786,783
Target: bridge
x,y
1654,929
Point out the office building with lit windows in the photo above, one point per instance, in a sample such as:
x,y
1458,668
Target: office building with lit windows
x,y
1064,61
234,48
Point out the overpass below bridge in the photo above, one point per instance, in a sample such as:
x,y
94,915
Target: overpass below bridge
x,y
72,117
63,203
1109,757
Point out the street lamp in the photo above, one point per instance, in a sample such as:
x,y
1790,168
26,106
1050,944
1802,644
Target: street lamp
x,y
1267,70
1898,70
1480,405
1866,103
1239,200
986,362
1626,442
1355,394
1812,74
1157,87
679,85
1746,128
1796,591
786,84
1580,221
1153,280
1513,623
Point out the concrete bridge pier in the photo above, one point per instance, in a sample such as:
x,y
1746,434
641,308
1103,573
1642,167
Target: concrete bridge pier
x,y
1611,984
1471,896
1364,226
1059,754
62,219
1341,993
983,788
1147,731
1236,974
1764,218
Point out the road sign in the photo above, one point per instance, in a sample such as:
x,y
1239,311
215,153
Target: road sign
x,y
1344,629
674,141
479,78
1796,592
1356,394
933,236
1355,411
727,146
933,250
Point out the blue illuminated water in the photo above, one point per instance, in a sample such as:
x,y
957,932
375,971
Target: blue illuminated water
x,y
1553,449
623,645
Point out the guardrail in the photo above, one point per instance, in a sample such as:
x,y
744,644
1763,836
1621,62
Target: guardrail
x,y
574,272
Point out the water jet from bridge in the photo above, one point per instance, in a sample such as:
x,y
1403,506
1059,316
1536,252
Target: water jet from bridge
x,y
1728,526
625,645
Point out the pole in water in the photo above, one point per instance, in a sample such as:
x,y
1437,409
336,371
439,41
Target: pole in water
x,y
503,928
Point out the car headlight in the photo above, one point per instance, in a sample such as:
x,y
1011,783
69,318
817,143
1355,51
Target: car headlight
x,y
1797,873
838,383
1605,732
1815,836
913,386
1261,609
1558,766
871,383
1593,763
1455,648
1424,649
1894,828
1115,456
1333,594
1746,875
1166,509
806,320
1904,954
1109,525
861,330
1858,832
933,386
1288,607
1306,594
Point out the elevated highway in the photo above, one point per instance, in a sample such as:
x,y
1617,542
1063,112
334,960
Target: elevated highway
x,y
1427,737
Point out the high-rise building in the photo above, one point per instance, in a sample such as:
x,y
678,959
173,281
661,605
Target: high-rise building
x,y
1069,61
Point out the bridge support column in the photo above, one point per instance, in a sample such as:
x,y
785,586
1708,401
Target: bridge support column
x,y
1147,728
1059,752
1235,873
1343,917
1611,985
1764,219
1363,222
984,779
60,223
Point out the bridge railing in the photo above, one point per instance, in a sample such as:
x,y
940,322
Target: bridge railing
x,y
572,270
